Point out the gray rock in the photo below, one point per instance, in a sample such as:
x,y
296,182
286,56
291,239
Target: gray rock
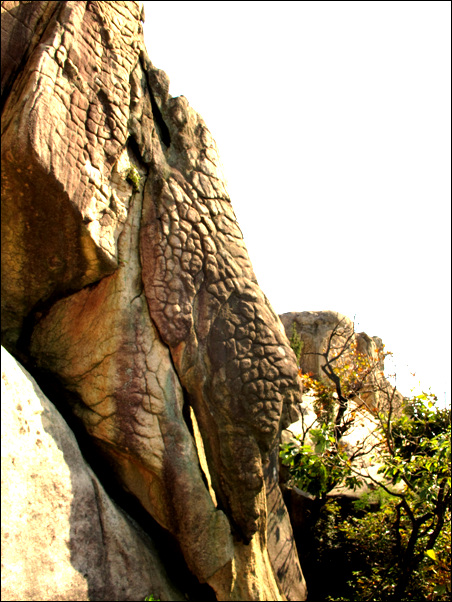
x,y
62,537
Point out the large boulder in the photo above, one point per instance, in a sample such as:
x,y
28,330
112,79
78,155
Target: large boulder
x,y
127,287
62,536
314,329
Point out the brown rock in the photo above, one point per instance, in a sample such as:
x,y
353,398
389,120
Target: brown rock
x,y
51,182
104,348
23,24
128,282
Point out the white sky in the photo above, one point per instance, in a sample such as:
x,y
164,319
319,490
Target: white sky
x,y
333,123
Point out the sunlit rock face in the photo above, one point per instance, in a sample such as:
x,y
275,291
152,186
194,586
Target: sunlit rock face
x,y
62,536
127,283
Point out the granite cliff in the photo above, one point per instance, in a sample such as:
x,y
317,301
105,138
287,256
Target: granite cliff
x,y
129,298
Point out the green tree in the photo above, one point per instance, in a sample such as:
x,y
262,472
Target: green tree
x,y
370,542
296,343
408,544
317,458
417,456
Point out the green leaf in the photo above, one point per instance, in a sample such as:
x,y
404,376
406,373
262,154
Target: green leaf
x,y
320,447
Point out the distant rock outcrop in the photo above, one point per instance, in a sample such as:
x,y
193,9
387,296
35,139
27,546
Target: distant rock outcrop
x,y
128,291
315,329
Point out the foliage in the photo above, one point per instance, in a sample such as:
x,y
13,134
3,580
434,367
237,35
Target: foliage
x,y
151,597
133,177
418,449
377,497
296,343
317,459
417,457
371,543
402,550
324,400
320,468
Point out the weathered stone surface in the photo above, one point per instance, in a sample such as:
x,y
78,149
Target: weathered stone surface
x,y
227,344
64,125
314,328
281,545
62,537
104,348
22,26
128,282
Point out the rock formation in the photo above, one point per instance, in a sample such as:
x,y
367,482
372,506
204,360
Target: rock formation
x,y
315,329
128,292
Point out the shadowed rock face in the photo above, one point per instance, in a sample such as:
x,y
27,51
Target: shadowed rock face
x,y
64,125
126,279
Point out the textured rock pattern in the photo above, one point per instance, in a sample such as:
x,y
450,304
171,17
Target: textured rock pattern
x,y
66,116
222,332
128,282
61,534
22,26
130,400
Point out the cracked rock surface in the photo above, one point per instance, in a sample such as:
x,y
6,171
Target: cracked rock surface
x,y
127,284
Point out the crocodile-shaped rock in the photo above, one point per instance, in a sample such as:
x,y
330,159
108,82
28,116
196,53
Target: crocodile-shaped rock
x,y
227,344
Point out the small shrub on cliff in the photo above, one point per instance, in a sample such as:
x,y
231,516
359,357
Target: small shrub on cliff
x,y
296,343
133,177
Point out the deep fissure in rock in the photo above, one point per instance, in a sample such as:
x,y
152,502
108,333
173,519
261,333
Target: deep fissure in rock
x,y
162,128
